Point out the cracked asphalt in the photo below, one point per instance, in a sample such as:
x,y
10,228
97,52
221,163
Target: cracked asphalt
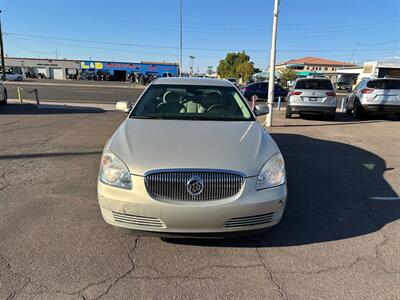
x,y
338,238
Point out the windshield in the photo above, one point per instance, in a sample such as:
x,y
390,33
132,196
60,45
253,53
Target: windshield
x,y
314,84
192,102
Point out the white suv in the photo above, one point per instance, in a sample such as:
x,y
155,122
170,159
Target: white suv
x,y
378,96
311,95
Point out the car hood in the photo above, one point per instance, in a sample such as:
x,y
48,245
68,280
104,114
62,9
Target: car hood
x,y
146,145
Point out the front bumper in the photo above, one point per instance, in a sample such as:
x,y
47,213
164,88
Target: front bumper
x,y
381,108
249,210
313,109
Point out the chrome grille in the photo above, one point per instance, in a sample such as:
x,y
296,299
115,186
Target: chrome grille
x,y
173,184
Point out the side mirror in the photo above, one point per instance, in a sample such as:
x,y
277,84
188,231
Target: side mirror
x,y
261,109
124,106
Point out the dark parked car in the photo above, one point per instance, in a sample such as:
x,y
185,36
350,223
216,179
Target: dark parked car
x,y
260,89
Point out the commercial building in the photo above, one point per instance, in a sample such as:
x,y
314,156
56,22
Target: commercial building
x,y
50,68
73,69
120,70
350,76
312,66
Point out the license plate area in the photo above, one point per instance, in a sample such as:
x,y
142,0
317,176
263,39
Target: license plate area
x,y
312,98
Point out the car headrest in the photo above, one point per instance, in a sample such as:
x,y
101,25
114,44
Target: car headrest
x,y
171,97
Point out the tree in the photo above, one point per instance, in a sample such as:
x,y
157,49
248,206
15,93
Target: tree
x,y
236,65
286,75
245,70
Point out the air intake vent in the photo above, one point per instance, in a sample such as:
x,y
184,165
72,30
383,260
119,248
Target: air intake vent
x,y
137,220
249,221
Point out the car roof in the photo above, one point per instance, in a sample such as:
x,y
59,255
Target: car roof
x,y
313,78
192,81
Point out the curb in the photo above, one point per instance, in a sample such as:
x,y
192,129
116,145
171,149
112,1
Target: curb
x,y
66,104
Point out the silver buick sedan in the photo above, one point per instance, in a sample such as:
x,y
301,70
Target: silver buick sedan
x,y
191,158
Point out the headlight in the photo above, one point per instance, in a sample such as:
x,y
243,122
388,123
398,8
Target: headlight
x,y
272,174
114,172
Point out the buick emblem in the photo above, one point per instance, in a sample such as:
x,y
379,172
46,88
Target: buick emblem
x,y
195,186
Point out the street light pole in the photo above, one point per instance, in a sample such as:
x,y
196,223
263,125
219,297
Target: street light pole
x,y
191,64
181,40
3,68
271,84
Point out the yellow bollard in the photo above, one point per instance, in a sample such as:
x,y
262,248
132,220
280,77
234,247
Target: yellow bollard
x,y
19,90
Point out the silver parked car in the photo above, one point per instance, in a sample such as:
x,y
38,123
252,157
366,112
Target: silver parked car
x,y
191,158
11,76
311,95
377,96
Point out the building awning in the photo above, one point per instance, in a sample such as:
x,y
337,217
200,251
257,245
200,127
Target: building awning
x,y
308,73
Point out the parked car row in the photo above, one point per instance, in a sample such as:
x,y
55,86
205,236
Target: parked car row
x,y
318,96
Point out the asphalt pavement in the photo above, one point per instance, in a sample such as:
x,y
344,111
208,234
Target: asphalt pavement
x,y
339,237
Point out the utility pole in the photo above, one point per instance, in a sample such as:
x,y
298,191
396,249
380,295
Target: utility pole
x,y
271,84
181,40
3,68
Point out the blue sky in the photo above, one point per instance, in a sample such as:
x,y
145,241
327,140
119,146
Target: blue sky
x,y
345,30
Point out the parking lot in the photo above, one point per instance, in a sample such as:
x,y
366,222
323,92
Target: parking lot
x,y
338,239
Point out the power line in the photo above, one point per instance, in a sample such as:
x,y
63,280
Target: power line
x,y
190,48
26,49
92,47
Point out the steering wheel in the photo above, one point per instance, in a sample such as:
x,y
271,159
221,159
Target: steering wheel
x,y
216,107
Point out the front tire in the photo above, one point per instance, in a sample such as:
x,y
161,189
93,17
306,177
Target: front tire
x,y
288,113
357,110
348,110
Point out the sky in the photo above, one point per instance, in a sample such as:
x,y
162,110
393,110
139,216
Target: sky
x,y
148,30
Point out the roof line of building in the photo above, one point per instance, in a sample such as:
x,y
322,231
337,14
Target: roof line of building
x,y
84,60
